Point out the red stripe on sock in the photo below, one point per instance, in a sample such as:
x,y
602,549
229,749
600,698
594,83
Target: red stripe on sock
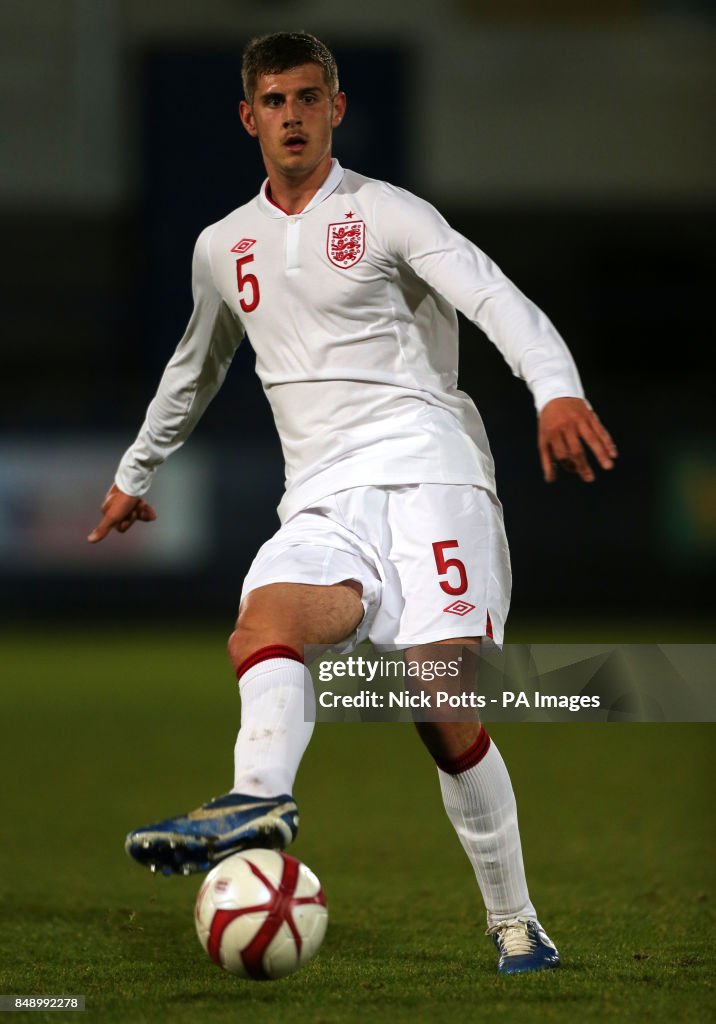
x,y
265,654
472,756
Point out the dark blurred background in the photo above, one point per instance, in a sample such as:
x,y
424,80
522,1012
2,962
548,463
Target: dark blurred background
x,y
574,143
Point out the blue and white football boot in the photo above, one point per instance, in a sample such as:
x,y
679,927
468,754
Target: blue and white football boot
x,y
198,840
524,946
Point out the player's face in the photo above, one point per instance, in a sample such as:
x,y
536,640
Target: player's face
x,y
293,116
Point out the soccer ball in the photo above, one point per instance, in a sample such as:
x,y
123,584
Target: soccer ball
x,y
261,914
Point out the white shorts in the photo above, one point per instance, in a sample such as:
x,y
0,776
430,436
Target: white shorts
x,y
432,560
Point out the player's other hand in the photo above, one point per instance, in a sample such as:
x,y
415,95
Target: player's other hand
x,y
119,512
568,428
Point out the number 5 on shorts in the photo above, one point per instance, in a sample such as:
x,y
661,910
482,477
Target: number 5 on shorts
x,y
444,564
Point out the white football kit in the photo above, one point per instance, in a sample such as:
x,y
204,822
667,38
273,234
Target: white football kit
x,y
350,307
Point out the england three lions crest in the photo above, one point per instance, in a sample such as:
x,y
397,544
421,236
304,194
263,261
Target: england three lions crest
x,y
346,243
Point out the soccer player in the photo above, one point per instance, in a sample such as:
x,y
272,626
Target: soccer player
x,y
390,525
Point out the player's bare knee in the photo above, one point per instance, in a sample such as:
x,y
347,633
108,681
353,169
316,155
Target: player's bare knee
x,y
244,642
233,645
449,741
256,630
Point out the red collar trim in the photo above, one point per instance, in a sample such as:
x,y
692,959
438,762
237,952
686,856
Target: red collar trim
x,y
267,193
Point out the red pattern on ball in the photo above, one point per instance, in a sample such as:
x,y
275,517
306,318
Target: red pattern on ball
x,y
279,908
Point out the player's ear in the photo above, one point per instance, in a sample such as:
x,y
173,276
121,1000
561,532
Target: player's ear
x,y
339,108
246,116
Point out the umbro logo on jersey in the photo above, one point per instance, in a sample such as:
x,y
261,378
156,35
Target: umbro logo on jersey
x,y
345,244
460,607
244,245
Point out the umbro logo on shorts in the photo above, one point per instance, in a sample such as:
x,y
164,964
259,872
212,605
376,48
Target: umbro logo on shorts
x,y
460,607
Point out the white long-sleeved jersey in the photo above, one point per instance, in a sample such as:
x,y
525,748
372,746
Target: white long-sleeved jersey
x,y
350,307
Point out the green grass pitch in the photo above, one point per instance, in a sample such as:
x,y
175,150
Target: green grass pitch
x,y
105,732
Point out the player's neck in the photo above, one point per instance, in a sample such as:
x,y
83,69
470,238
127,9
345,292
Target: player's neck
x,y
293,194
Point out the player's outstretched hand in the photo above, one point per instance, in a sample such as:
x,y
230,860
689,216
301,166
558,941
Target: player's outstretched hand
x,y
567,428
119,512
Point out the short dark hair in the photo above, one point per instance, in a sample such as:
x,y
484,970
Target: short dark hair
x,y
281,51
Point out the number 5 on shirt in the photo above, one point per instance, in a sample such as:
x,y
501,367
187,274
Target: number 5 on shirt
x,y
444,564
243,280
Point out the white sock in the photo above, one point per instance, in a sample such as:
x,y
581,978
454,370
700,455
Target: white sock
x,y
276,701
481,805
